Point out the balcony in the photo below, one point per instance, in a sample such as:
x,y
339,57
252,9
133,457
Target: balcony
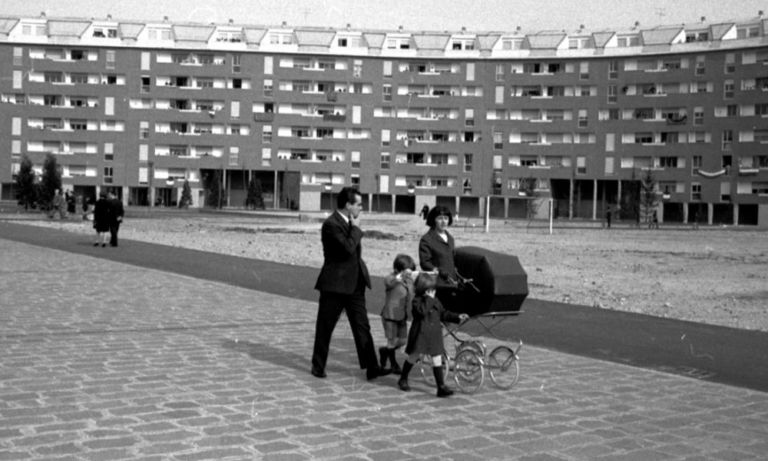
x,y
327,117
263,116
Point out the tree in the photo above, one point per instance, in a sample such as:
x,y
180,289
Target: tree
x,y
213,188
649,199
50,181
25,183
255,198
186,195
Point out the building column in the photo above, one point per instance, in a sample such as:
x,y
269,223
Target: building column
x,y
735,214
225,186
124,197
594,199
570,198
660,212
370,202
392,200
618,193
275,197
458,204
506,207
710,209
685,212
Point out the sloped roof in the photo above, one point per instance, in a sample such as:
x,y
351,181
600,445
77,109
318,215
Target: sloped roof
x,y
130,30
431,41
7,24
488,41
67,28
545,41
660,36
602,38
193,33
374,39
254,35
315,37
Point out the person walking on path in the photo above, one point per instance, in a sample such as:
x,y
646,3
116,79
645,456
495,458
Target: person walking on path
x,y
342,283
426,333
397,309
424,211
436,253
101,219
116,213
58,205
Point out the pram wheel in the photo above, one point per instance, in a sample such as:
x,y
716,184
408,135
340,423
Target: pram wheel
x,y
503,367
468,371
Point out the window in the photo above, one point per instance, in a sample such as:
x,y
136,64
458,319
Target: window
x,y
698,115
357,68
236,64
696,163
583,121
728,89
143,130
18,55
583,71
467,163
668,162
268,88
498,140
727,139
499,72
613,70
700,65
512,44
387,92
266,134
730,63
581,165
385,160
108,173
612,94
110,58
695,191
355,159
109,153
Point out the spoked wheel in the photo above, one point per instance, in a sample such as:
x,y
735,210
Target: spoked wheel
x,y
503,367
468,371
474,345
425,367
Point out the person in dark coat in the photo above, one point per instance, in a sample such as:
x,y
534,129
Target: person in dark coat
x,y
116,213
424,211
342,283
436,254
101,219
426,334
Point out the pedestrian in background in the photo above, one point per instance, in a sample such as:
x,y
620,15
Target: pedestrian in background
x,y
116,213
101,219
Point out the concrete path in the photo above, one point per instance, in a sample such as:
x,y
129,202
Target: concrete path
x,y
106,360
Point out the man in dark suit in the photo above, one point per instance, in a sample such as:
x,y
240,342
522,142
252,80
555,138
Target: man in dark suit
x,y
342,283
116,213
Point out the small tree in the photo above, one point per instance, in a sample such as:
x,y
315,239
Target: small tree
x,y
186,195
255,198
25,183
50,181
649,199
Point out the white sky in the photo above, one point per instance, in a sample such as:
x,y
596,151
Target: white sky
x,y
413,15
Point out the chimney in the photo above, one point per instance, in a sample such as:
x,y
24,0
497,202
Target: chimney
x,y
109,17
703,19
285,24
165,18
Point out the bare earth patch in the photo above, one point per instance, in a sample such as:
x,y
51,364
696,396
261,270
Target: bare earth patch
x,y
716,276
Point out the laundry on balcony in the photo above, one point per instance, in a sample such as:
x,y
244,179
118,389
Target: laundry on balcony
x,y
675,119
712,174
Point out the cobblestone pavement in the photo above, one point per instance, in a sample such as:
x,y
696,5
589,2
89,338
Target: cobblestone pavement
x,y
107,361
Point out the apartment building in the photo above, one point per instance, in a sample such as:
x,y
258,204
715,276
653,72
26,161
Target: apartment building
x,y
464,119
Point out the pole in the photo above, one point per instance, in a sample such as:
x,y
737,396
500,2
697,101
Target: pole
x,y
551,214
487,214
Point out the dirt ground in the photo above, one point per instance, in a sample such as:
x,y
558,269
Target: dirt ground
x,y
711,275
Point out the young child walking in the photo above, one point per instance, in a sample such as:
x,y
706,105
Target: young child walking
x,y
426,333
397,308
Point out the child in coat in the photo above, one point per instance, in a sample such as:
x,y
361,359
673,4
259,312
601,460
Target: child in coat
x,y
397,308
426,333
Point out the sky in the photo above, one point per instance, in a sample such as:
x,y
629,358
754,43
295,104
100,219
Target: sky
x,y
413,15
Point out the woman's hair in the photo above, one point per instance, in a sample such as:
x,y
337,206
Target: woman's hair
x,y
439,210
425,281
403,262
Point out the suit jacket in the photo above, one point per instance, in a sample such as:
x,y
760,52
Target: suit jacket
x,y
436,253
116,211
343,265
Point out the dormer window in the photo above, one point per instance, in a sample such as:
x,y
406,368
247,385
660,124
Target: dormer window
x,y
229,36
512,44
34,30
398,43
342,42
701,36
577,43
625,41
157,33
105,32
281,38
748,31
463,44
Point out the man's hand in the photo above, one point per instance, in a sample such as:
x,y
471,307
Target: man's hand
x,y
354,221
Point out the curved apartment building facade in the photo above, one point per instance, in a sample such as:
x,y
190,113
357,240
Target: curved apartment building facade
x,y
463,119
